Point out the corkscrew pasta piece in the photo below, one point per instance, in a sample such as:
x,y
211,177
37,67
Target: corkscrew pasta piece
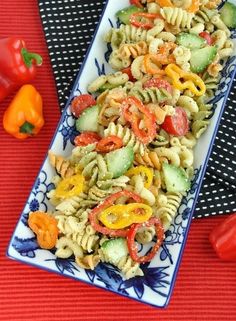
x,y
87,239
204,15
127,136
168,208
150,95
66,247
189,105
127,51
177,17
71,205
89,261
145,235
168,153
62,166
137,182
149,158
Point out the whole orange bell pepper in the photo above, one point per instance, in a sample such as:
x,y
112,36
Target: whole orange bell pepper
x,y
24,116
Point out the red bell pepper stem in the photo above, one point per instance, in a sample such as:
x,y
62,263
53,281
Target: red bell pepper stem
x,y
29,57
93,215
133,249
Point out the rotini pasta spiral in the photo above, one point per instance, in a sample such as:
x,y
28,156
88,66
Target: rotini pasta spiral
x,y
87,239
168,207
62,166
177,17
126,135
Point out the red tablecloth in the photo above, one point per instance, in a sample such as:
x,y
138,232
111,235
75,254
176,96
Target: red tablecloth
x,y
205,287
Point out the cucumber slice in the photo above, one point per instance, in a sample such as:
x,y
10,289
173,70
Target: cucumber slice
x,y
124,14
201,58
175,178
114,250
88,120
228,14
190,41
120,160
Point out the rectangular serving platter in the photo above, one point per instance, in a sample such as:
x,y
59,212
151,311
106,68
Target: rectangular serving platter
x,y
156,286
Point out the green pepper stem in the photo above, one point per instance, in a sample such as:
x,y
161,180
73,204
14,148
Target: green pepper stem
x,y
26,128
29,57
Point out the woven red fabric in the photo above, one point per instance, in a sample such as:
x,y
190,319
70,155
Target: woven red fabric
x,y
205,287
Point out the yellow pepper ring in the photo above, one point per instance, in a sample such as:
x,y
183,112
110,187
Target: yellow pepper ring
x,y
121,216
69,187
191,81
139,170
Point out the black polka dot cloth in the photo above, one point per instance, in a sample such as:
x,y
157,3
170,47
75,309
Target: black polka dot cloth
x,y
69,26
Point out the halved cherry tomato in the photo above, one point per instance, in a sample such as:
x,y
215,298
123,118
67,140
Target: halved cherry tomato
x,y
109,143
129,73
158,83
80,103
177,124
143,19
86,138
93,215
133,249
207,37
136,3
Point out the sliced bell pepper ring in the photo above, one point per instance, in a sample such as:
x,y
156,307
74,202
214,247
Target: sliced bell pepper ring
x,y
146,134
45,227
86,138
121,216
93,215
70,186
144,20
139,170
152,64
109,143
133,248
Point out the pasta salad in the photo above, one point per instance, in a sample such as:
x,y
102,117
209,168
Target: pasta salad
x,y
132,162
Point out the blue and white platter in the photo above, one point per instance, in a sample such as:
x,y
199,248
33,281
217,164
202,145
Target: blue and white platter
x,y
156,285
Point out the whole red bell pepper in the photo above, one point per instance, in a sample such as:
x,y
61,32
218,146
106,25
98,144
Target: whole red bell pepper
x,y
223,239
17,65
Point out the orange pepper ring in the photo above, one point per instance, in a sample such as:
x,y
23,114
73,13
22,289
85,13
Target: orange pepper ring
x,y
147,60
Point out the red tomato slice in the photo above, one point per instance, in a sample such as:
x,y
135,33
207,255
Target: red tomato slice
x,y
177,124
159,83
86,138
207,37
136,3
129,73
80,103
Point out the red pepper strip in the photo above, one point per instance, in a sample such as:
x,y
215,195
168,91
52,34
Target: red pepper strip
x,y
147,134
108,202
133,248
136,19
17,65
109,143
223,239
